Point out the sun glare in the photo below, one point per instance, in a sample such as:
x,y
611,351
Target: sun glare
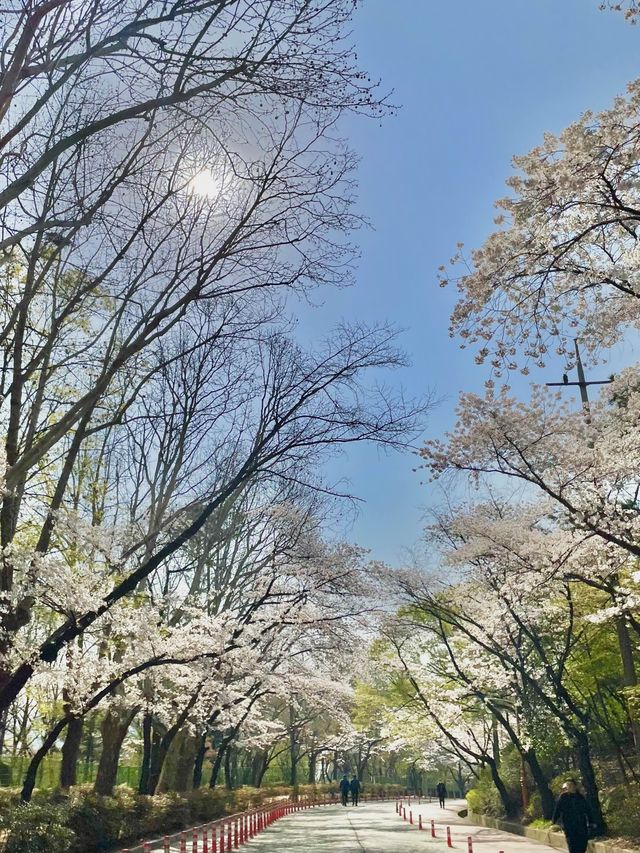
x,y
206,183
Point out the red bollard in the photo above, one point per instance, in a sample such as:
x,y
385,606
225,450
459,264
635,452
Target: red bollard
x,y
235,834
404,814
222,837
194,842
419,821
166,845
410,816
229,837
469,844
183,842
146,847
205,840
449,843
433,829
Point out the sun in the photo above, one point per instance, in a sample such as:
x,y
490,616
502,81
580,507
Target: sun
x,y
206,183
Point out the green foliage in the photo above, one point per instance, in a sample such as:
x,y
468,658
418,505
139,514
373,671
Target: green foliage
x,y
97,822
37,828
621,806
483,798
84,822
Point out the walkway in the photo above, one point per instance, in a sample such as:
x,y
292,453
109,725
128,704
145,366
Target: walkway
x,y
376,828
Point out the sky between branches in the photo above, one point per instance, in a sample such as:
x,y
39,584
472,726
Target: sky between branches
x,y
477,83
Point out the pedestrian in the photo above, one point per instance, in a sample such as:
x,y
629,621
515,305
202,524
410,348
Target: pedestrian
x,y
345,788
572,812
441,791
355,790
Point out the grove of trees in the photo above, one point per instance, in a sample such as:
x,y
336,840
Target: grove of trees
x,y
516,650
176,610
172,172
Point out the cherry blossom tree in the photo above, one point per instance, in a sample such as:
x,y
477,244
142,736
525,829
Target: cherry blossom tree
x,y
563,263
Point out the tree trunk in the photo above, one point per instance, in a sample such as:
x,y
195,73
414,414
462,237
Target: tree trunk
x,y
589,781
114,729
147,749
71,753
507,803
547,799
159,753
198,764
32,771
630,676
4,714
313,760
217,764
228,781
177,772
495,741
89,743
263,768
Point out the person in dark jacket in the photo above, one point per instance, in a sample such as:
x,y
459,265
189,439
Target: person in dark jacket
x,y
345,788
572,812
355,790
441,791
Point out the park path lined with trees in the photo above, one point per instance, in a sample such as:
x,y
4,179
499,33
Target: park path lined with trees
x,y
375,828
174,602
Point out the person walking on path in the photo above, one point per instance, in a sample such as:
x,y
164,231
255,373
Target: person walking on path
x,y
355,790
345,788
441,791
572,812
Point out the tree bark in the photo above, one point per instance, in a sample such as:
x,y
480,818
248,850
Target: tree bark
x,y
313,760
147,748
71,753
547,799
177,772
228,780
3,728
507,803
159,754
217,764
114,729
263,769
589,781
630,675
32,771
199,762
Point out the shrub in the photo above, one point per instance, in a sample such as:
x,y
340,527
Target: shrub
x,y
85,822
37,828
98,823
539,823
621,806
483,798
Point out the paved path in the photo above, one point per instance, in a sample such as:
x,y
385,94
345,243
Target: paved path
x,y
376,828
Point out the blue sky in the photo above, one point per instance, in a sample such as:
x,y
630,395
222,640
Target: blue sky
x,y
477,83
